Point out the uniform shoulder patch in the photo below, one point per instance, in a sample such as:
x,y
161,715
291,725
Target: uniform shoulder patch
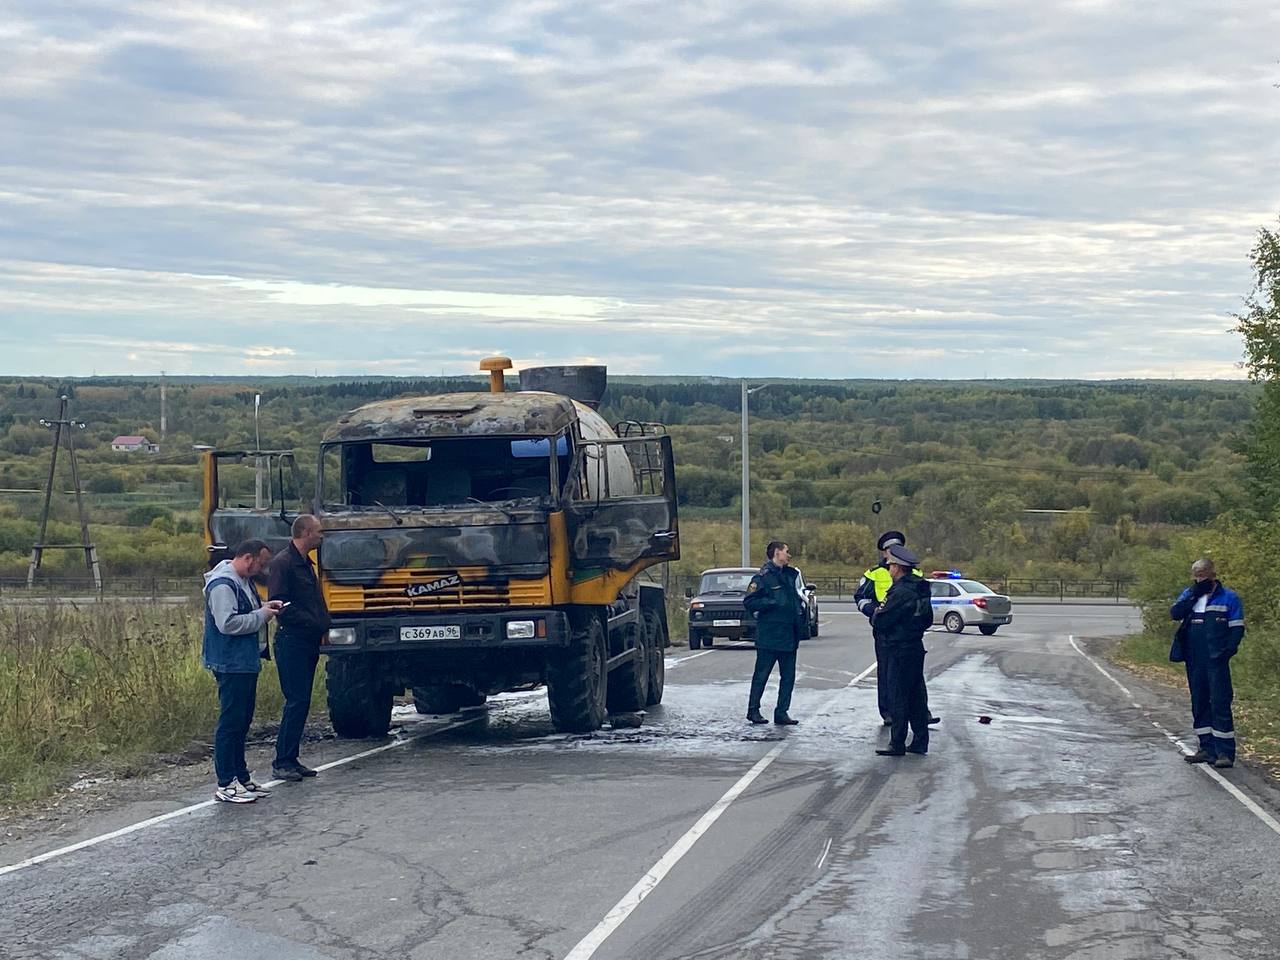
x,y
753,586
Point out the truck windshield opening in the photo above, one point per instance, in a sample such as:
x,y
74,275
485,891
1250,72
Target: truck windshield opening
x,y
440,472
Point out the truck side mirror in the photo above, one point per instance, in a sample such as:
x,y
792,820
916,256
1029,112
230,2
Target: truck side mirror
x,y
688,592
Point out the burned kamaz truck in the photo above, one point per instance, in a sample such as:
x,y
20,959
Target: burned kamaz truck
x,y
482,542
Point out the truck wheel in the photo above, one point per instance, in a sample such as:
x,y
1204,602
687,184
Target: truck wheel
x,y
813,627
360,700
695,641
577,678
987,629
953,622
629,682
657,656
437,698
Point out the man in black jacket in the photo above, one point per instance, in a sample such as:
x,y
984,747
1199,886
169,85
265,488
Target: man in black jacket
x,y
902,620
781,620
304,621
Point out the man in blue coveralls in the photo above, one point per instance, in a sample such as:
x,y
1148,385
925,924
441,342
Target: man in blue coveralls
x,y
1211,628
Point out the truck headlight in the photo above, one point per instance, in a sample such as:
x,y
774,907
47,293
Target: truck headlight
x,y
342,636
520,629
696,605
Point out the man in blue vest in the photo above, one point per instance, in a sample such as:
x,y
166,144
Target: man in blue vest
x,y
781,621
235,643
1211,628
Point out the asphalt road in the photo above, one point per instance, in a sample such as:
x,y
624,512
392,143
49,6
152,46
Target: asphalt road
x,y
1068,827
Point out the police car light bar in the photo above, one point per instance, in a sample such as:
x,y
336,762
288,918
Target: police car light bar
x,y
946,575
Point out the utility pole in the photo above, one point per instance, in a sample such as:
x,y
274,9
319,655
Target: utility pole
x,y
163,418
746,477
259,500
63,429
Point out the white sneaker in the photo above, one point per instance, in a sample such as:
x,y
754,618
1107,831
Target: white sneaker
x,y
255,789
234,793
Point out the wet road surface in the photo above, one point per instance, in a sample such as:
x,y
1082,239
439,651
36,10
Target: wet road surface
x,y
1068,827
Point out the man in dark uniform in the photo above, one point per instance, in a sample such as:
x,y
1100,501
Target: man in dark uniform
x,y
1210,633
901,621
781,620
871,591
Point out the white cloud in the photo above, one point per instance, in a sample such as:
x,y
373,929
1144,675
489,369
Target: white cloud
x,y
1036,184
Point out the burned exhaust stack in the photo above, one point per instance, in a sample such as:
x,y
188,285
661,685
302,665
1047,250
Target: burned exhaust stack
x,y
586,384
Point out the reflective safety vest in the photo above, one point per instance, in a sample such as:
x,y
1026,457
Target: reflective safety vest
x,y
873,588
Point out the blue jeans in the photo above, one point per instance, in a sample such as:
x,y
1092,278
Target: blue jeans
x,y
237,693
296,660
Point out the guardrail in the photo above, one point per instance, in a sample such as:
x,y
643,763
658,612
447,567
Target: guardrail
x,y
127,587
829,587
1042,588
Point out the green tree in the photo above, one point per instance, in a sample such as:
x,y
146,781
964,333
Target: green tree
x,y
1259,324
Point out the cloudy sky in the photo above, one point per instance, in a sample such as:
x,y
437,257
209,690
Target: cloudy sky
x,y
803,188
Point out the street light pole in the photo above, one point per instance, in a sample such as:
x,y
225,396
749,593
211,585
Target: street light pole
x,y
746,477
746,485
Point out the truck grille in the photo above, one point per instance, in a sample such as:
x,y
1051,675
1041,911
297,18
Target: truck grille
x,y
389,593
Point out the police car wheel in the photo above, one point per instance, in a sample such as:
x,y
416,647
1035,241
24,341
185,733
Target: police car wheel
x,y
987,629
953,622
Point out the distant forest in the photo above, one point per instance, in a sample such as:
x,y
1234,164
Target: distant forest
x,y
1008,478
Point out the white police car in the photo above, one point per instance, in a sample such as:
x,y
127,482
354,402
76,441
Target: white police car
x,y
958,603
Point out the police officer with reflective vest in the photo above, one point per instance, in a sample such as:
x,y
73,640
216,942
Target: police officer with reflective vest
x,y
781,621
1207,638
900,623
872,589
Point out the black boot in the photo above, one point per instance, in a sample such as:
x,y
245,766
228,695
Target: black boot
x,y
755,716
783,720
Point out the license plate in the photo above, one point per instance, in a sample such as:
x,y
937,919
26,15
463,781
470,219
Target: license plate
x,y
726,623
449,632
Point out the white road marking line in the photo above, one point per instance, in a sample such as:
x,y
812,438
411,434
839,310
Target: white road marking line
x,y
588,945
174,814
676,661
827,849
1205,768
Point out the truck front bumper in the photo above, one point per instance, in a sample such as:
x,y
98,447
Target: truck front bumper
x,y
435,631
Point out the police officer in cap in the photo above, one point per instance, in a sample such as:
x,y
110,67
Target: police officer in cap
x,y
872,590
900,622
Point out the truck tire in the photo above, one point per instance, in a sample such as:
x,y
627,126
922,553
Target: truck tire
x,y
813,627
657,655
577,678
438,698
629,682
695,640
360,700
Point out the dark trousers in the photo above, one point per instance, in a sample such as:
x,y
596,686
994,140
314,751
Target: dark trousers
x,y
237,693
908,698
1209,680
884,698
296,660
882,681
765,659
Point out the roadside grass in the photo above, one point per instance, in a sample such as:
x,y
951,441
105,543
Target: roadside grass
x,y
100,690
1255,674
